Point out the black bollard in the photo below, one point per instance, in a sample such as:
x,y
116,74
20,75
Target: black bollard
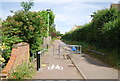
x,y
47,46
38,60
59,51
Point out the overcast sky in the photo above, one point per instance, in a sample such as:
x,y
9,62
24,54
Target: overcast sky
x,y
67,12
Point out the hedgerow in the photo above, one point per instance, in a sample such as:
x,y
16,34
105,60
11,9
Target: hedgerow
x,y
102,32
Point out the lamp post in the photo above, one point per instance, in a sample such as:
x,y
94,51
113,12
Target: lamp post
x,y
48,10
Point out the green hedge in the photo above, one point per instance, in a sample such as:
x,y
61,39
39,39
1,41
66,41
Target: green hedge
x,y
103,32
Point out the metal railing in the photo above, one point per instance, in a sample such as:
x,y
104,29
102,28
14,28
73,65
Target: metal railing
x,y
68,48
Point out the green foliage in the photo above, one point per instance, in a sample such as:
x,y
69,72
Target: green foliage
x,y
27,5
111,34
103,32
1,59
0,31
44,15
103,16
30,27
23,71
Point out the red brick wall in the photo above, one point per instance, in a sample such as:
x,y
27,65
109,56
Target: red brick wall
x,y
19,54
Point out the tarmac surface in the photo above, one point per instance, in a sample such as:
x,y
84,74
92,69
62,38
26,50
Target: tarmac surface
x,y
65,68
79,66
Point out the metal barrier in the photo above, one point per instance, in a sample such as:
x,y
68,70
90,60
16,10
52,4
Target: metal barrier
x,y
96,52
46,46
71,49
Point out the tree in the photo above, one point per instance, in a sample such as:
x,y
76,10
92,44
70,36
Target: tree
x,y
44,15
27,5
58,33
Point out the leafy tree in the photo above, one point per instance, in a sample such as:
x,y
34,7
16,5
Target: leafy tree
x,y
58,33
44,15
28,27
27,5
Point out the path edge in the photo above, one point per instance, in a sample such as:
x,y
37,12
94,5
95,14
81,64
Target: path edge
x,y
82,74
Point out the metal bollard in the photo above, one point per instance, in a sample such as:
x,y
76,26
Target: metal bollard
x,y
38,59
59,51
47,46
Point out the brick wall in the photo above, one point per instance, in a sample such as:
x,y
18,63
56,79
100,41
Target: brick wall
x,y
19,54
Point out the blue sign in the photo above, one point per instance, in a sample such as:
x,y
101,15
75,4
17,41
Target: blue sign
x,y
74,49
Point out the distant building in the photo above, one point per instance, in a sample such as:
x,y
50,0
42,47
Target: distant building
x,y
115,6
74,27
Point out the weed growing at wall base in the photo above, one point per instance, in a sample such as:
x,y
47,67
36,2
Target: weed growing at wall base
x,y
23,71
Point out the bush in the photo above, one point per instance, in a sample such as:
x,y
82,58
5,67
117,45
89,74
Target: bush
x,y
30,27
23,71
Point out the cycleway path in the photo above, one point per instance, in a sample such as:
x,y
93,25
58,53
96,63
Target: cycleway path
x,y
56,67
81,66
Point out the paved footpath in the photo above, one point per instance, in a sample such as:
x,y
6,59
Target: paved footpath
x,y
92,68
85,67
68,72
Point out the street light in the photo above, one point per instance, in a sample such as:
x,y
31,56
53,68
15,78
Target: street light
x,y
48,10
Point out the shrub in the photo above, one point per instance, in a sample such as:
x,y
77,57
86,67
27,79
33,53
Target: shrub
x,y
23,71
28,27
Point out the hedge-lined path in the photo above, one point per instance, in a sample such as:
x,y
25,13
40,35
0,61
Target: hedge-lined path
x,y
68,72
85,67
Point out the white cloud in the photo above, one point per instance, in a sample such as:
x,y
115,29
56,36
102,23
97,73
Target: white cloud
x,y
68,12
75,13
79,6
63,17
68,21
